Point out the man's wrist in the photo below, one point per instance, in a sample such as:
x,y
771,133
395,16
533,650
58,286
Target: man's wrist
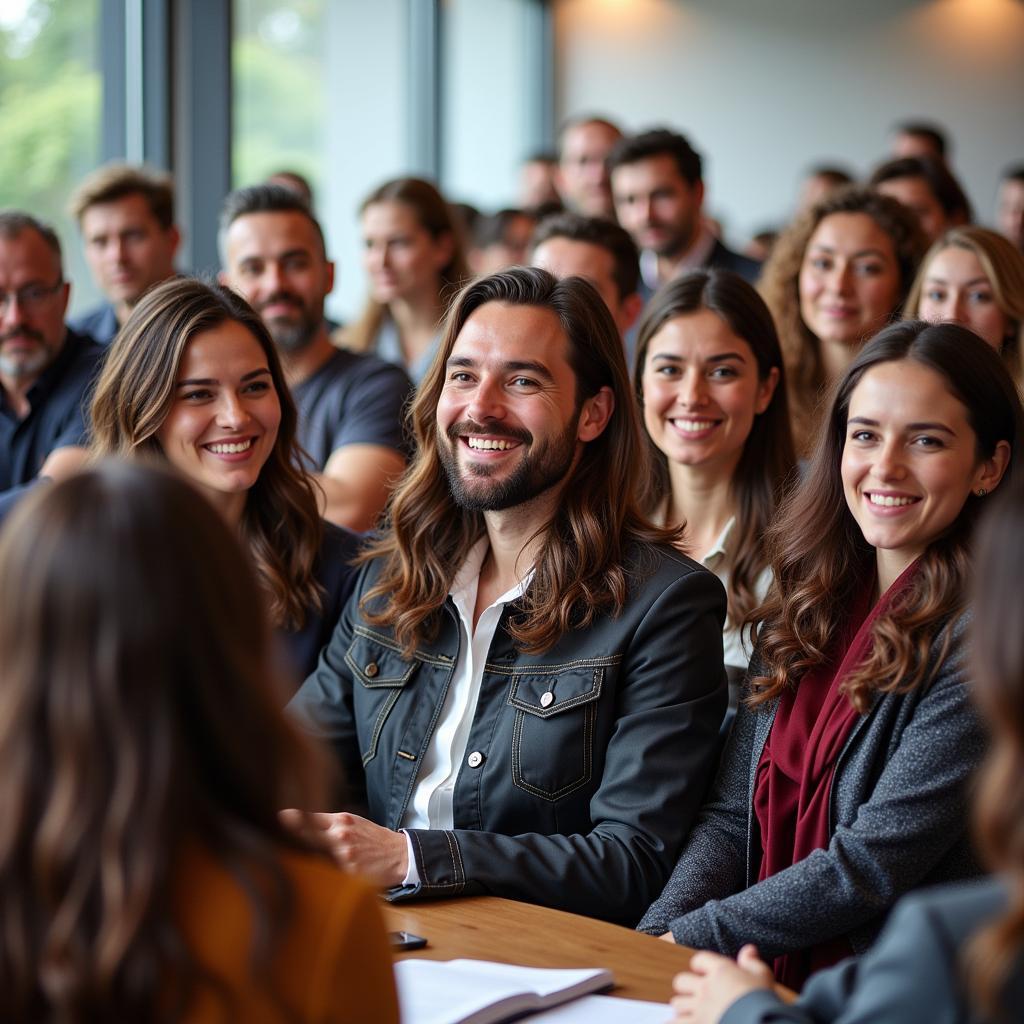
x,y
412,874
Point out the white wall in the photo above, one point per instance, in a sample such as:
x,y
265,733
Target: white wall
x,y
763,88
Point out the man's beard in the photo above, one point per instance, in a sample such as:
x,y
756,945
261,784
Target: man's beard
x,y
536,472
679,241
291,335
27,364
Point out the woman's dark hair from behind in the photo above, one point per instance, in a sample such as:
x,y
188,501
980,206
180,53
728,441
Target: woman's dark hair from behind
x,y
818,553
768,456
997,657
137,718
134,394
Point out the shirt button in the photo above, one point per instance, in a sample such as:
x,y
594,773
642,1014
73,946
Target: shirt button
x,y
371,670
547,699
475,759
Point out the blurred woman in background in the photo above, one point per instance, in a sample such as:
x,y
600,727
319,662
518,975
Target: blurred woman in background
x,y
836,276
144,871
975,277
415,263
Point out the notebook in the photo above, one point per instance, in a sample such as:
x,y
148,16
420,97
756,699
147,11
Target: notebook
x,y
483,992
604,1010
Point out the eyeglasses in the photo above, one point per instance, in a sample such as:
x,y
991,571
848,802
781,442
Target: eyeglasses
x,y
31,297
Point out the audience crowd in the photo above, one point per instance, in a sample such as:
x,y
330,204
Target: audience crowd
x,y
593,564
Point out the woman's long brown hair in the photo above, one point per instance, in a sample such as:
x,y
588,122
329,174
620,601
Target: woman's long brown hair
x,y
589,551
818,553
997,658
137,720
768,459
780,286
281,522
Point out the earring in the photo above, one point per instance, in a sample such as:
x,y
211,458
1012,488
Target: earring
x,y
981,492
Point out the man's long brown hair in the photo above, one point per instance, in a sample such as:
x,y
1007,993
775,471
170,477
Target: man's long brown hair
x,y
997,658
585,562
138,721
820,558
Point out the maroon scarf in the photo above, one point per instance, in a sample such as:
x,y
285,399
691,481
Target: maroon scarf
x,y
793,786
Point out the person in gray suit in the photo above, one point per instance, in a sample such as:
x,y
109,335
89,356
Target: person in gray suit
x,y
844,784
949,955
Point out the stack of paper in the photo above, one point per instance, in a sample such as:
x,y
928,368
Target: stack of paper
x,y
481,992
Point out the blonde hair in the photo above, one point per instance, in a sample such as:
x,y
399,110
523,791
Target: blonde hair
x,y
1003,265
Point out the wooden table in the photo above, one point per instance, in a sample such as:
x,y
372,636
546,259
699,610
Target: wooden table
x,y
488,928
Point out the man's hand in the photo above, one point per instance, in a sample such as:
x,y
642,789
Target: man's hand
x,y
713,983
357,844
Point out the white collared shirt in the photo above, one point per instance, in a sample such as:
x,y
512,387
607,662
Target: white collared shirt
x,y
431,805
736,647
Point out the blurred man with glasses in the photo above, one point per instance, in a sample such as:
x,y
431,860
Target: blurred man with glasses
x,y
45,368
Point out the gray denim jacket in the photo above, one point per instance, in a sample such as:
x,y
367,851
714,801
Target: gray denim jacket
x,y
580,802
898,819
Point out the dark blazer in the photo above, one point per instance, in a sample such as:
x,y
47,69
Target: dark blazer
x,y
723,258
898,812
580,802
99,323
334,572
912,976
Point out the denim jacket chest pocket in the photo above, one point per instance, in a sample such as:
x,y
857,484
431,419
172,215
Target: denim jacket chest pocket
x,y
379,673
553,731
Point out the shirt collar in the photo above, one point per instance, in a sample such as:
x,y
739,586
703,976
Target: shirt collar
x,y
721,545
467,579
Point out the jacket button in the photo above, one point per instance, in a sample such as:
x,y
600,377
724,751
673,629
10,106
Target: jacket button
x,y
371,670
547,699
475,759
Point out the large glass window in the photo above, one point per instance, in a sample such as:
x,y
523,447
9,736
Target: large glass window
x,y
50,95
336,90
487,98
319,88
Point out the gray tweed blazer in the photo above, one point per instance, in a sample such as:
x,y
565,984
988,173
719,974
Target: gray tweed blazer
x,y
897,818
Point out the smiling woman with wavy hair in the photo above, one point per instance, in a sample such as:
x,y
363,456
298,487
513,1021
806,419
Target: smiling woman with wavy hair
x,y
144,871
844,782
956,952
835,277
193,379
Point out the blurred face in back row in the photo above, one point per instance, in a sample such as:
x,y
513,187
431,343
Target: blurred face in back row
x,y
657,205
33,298
276,261
403,260
849,281
570,257
582,175
128,250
